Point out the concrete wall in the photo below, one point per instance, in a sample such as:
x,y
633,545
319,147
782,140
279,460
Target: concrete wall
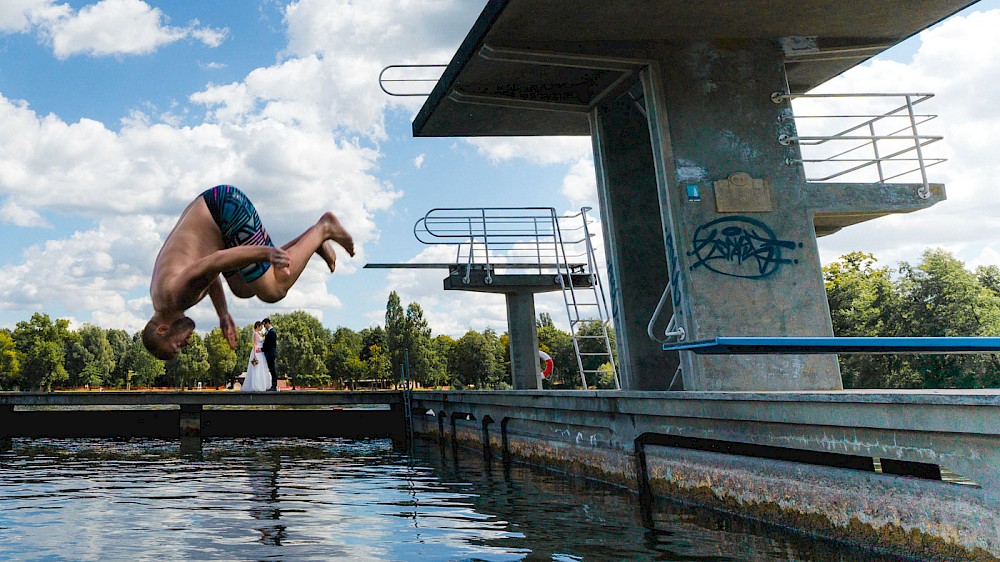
x,y
806,460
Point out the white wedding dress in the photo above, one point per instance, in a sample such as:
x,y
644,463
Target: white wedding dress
x,y
258,377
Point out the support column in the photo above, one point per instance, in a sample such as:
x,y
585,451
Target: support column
x,y
633,239
745,246
523,339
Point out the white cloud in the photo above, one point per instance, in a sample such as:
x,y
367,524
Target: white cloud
x,y
12,213
580,185
109,27
18,16
418,162
537,150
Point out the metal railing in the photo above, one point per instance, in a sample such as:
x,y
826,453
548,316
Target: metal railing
x,y
400,76
537,240
524,238
883,144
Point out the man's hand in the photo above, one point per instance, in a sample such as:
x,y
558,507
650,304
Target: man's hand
x,y
228,329
279,258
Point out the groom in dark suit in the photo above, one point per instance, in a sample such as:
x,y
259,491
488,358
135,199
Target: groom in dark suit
x,y
270,349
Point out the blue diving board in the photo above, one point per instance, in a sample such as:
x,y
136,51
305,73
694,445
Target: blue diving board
x,y
814,345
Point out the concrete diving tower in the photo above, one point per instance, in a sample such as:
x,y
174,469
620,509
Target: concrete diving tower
x,y
701,162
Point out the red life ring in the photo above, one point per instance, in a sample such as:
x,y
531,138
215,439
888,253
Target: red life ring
x,y
547,370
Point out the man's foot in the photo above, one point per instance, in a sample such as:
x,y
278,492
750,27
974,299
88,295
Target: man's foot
x,y
336,232
326,252
272,389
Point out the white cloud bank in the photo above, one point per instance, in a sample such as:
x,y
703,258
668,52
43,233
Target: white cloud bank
x,y
293,133
109,27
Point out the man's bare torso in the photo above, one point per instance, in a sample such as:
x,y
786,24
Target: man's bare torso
x,y
194,237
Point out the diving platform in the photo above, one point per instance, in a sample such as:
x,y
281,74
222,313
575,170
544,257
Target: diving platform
x,y
197,414
838,345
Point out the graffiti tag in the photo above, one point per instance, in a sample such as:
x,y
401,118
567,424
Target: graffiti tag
x,y
739,247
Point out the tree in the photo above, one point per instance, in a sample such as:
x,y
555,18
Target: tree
x,y
90,359
559,345
395,331
118,341
190,366
221,358
41,343
140,369
302,346
863,302
942,298
442,346
10,364
343,362
475,361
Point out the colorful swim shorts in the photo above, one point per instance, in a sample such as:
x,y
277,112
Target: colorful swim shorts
x,y
237,219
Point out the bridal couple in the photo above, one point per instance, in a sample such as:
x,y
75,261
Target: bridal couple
x,y
261,372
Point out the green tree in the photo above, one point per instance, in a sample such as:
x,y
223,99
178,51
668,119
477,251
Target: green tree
x,y
139,368
190,366
475,360
343,361
90,359
442,345
118,341
942,298
302,347
559,345
221,358
10,364
378,366
395,331
41,343
863,302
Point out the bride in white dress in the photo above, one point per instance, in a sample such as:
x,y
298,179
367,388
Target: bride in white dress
x,y
258,377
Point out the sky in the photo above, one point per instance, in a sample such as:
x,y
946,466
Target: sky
x,y
117,113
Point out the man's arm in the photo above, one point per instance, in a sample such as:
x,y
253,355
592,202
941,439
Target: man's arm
x,y
192,283
226,323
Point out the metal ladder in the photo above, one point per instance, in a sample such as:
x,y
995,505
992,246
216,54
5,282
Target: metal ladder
x,y
586,305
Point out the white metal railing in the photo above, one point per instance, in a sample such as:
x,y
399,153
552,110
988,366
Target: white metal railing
x,y
537,240
882,143
525,238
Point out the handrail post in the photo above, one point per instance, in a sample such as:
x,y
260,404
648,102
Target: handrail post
x,y
925,191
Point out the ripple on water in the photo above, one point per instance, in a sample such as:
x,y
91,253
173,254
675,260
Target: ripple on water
x,y
330,499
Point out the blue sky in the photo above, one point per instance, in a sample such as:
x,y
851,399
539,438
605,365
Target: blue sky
x,y
117,113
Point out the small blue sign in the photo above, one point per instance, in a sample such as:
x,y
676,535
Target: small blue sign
x,y
694,194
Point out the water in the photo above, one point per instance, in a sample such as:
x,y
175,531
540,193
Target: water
x,y
334,499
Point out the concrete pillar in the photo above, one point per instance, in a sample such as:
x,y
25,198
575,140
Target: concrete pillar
x,y
633,236
523,339
733,213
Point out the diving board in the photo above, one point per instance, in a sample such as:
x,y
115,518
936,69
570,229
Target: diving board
x,y
839,345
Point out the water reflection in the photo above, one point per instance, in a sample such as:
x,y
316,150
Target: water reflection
x,y
330,499
264,507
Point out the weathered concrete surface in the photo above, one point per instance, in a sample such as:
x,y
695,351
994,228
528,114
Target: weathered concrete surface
x,y
730,450
200,414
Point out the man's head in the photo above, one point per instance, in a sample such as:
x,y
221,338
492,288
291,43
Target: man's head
x,y
165,339
267,323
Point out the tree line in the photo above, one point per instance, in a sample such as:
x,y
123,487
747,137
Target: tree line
x,y
44,354
938,296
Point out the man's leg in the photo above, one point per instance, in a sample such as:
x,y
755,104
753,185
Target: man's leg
x,y
274,370
275,283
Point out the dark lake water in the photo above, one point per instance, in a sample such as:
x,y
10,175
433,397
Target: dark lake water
x,y
333,499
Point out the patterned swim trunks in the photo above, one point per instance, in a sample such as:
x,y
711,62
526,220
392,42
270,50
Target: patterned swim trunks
x,y
237,219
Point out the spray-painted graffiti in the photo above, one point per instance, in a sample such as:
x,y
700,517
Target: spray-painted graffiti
x,y
739,247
